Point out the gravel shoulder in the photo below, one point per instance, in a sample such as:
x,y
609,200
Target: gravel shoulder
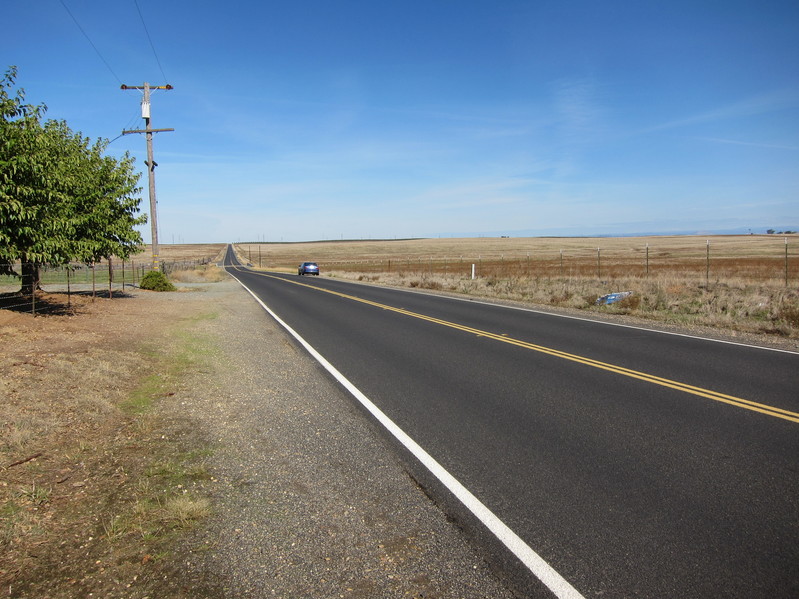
x,y
308,498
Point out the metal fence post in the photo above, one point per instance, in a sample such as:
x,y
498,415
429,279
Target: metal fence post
x,y
33,295
598,264
786,262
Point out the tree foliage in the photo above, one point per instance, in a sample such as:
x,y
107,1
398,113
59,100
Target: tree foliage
x,y
61,199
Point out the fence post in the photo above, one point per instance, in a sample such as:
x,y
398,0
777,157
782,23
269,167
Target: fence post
x,y
33,295
598,264
786,262
707,265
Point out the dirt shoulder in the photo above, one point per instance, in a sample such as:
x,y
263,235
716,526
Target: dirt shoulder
x,y
92,488
179,445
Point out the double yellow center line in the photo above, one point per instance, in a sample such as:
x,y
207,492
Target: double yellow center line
x,y
649,378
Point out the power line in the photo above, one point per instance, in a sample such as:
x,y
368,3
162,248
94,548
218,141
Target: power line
x,y
150,40
105,62
132,120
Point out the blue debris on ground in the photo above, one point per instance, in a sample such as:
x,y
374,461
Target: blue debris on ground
x,y
612,298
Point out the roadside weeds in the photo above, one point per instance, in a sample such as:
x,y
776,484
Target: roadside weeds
x,y
93,487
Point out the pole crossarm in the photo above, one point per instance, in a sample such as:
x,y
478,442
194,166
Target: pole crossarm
x,y
146,86
145,131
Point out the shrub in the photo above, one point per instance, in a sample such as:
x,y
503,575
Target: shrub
x,y
432,284
790,314
156,281
630,303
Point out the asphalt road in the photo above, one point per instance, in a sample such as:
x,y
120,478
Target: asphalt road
x,y
633,463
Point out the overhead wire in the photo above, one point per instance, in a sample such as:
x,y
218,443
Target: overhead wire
x,y
91,43
105,62
132,121
149,39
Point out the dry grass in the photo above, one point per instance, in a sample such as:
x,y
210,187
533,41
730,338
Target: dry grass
x,y
204,273
90,490
758,258
183,510
514,248
208,252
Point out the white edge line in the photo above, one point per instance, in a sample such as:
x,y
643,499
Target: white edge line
x,y
534,562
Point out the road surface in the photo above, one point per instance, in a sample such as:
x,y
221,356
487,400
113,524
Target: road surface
x,y
589,459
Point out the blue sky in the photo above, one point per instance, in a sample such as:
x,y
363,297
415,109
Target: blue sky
x,y
329,119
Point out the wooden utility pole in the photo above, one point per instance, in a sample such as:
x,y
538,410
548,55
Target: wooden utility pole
x,y
151,164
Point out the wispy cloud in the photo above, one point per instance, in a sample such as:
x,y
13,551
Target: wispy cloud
x,y
737,142
576,104
761,104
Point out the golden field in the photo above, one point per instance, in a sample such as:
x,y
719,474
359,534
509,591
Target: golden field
x,y
755,257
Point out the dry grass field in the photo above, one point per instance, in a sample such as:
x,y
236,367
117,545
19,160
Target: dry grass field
x,y
759,257
743,283
196,252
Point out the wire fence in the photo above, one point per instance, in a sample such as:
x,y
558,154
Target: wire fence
x,y
102,279
710,262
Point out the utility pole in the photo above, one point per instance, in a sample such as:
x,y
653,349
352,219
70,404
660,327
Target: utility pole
x,y
151,164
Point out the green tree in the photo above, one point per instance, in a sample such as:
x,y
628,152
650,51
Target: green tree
x,y
106,203
61,199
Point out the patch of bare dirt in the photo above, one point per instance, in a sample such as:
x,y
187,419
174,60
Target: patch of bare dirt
x,y
87,481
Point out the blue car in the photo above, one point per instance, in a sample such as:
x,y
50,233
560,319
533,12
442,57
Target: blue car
x,y
308,268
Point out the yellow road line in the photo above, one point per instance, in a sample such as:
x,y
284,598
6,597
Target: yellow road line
x,y
649,378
